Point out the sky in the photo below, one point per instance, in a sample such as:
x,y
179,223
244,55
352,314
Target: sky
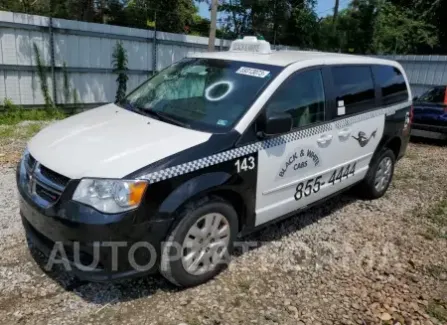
x,y
324,7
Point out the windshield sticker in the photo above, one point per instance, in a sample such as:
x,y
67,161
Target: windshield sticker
x,y
258,73
222,122
211,96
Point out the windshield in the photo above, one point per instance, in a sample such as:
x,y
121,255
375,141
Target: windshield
x,y
204,94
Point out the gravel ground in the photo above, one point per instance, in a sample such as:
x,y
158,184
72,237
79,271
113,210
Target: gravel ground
x,y
346,262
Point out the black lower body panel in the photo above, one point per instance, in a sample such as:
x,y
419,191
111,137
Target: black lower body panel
x,y
95,252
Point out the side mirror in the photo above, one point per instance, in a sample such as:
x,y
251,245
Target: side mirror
x,y
277,123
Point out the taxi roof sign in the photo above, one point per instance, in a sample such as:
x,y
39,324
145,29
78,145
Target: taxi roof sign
x,y
251,44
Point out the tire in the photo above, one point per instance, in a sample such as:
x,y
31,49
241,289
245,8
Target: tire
x,y
175,263
369,188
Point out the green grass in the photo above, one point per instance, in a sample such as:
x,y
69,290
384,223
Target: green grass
x,y
6,131
15,116
32,129
19,131
11,114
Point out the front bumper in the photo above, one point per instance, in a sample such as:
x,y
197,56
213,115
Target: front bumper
x,y
96,246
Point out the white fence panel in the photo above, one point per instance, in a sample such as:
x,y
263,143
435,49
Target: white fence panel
x,y
86,49
424,71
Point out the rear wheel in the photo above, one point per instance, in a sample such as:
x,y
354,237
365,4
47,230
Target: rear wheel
x,y
379,176
200,245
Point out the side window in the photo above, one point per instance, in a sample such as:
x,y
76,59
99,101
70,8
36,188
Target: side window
x,y
392,84
302,96
436,95
354,86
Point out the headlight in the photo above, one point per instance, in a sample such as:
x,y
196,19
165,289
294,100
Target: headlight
x,y
110,196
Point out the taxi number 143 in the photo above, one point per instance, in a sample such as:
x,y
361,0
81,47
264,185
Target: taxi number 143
x,y
312,185
245,164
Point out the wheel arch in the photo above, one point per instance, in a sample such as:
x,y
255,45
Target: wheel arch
x,y
393,143
221,184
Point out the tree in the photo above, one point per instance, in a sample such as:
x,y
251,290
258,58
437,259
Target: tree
x,y
431,12
400,30
377,26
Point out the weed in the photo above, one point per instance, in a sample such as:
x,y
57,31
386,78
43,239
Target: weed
x,y
437,309
437,271
6,131
193,321
438,213
431,233
402,176
245,284
32,129
13,114
411,155
42,73
119,62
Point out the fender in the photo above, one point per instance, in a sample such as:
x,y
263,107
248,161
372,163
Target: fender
x,y
191,188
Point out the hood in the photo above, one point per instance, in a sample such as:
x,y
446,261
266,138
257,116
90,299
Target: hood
x,y
109,142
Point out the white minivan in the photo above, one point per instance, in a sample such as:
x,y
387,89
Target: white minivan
x,y
207,150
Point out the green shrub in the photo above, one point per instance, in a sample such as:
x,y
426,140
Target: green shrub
x,y
119,62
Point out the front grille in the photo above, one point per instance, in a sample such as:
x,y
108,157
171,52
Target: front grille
x,y
46,194
44,185
30,162
53,176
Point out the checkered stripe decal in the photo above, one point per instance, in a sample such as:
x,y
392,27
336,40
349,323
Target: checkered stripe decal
x,y
340,124
233,154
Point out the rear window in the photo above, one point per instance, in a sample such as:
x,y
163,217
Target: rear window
x,y
392,84
354,87
436,95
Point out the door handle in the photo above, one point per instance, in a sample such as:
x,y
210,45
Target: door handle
x,y
344,133
325,138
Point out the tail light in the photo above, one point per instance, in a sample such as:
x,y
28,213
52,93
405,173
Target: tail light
x,y
411,114
445,101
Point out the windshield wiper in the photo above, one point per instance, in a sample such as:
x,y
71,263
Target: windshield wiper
x,y
166,118
158,115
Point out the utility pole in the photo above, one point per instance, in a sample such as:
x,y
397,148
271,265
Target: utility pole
x,y
334,20
212,37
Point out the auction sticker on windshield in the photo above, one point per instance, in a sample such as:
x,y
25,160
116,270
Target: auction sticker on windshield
x,y
253,72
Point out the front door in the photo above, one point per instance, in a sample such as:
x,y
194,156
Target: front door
x,y
292,166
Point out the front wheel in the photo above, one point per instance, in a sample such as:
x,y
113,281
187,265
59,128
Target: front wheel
x,y
200,245
379,176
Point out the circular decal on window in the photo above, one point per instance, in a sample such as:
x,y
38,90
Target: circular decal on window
x,y
218,90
